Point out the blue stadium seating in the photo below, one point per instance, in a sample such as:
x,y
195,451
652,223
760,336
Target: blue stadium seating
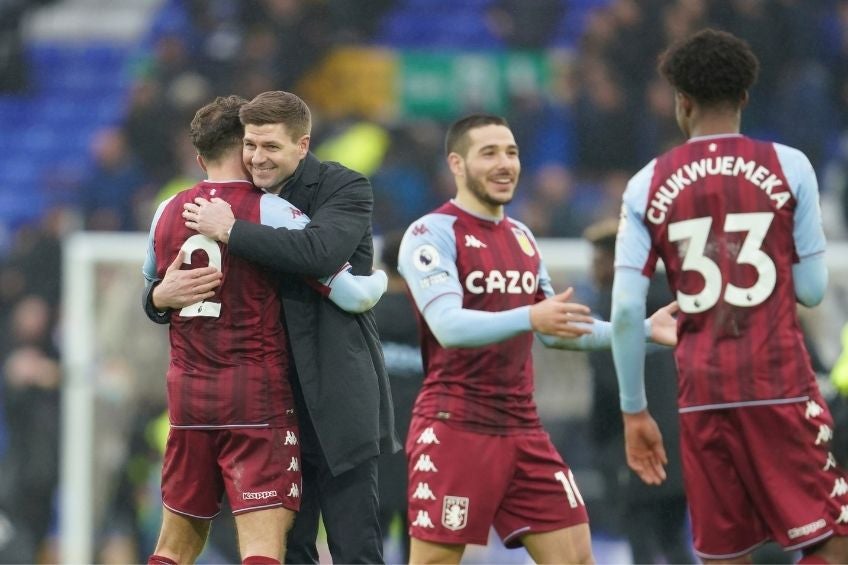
x,y
74,90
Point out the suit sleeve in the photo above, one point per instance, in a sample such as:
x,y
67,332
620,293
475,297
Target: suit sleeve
x,y
328,240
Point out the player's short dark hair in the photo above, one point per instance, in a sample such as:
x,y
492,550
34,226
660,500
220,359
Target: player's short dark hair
x,y
457,140
279,107
216,128
602,234
713,67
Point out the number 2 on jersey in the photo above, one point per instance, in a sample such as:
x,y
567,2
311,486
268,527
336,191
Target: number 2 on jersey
x,y
696,231
210,246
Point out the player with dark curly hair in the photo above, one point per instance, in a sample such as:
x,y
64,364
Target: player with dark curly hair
x,y
714,68
738,226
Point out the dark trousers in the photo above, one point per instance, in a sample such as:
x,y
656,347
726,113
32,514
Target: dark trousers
x,y
347,503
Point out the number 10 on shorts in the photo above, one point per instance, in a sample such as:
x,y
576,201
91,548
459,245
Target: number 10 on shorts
x,y
570,487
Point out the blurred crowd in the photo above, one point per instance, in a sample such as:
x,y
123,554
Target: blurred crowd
x,y
602,115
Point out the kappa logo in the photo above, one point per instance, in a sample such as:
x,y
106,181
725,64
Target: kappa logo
x,y
420,229
843,515
422,520
428,437
294,465
425,464
291,439
830,463
840,487
813,409
825,434
423,492
455,512
471,241
294,492
258,495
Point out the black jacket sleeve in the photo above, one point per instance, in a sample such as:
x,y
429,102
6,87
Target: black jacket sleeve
x,y
149,309
342,218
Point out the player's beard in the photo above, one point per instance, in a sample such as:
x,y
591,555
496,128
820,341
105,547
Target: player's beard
x,y
478,189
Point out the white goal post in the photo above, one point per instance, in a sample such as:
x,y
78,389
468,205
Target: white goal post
x,y
85,252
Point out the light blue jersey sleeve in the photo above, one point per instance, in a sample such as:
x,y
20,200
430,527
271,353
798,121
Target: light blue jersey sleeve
x,y
427,261
810,273
629,292
149,268
352,293
599,338
633,242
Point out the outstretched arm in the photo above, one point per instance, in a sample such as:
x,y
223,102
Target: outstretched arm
x,y
660,329
455,326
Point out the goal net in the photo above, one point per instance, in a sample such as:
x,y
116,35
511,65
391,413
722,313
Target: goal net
x,y
114,363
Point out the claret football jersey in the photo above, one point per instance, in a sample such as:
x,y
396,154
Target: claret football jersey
x,y
729,216
228,353
493,266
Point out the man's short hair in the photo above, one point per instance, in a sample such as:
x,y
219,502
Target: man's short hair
x,y
713,67
279,107
216,128
457,140
602,233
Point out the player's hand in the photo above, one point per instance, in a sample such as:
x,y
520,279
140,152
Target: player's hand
x,y
664,325
212,218
179,289
643,445
559,317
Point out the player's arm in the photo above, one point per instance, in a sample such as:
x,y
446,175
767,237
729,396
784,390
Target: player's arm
x,y
151,277
810,273
455,326
427,261
658,329
643,443
352,293
175,288
629,291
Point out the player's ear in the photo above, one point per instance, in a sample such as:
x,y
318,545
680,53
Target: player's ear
x,y
201,162
456,164
684,102
303,145
744,101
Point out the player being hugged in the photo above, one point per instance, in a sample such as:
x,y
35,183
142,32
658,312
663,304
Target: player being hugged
x,y
233,422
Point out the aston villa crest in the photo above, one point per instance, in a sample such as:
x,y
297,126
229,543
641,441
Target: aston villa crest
x,y
524,241
455,512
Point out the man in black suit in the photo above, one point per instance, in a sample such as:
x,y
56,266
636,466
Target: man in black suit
x,y
338,376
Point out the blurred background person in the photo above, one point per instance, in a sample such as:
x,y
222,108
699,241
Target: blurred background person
x,y
653,519
398,328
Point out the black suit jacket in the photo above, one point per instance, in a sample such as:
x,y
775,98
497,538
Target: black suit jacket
x,y
337,356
